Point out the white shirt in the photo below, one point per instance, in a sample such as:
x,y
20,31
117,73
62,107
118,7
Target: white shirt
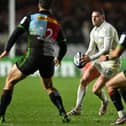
x,y
103,39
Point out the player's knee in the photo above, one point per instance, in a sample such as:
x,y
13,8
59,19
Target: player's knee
x,y
109,87
9,84
83,82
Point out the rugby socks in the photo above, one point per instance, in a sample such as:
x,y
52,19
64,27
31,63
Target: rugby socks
x,y
57,101
5,101
80,95
123,93
116,99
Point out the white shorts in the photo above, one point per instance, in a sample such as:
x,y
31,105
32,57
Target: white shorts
x,y
108,68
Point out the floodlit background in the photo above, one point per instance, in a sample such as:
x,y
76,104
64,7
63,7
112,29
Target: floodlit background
x,y
73,14
30,104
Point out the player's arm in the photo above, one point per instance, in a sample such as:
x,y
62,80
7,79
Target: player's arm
x,y
90,51
19,30
92,45
116,52
16,33
62,48
107,45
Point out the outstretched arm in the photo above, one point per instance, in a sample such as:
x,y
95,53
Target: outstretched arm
x,y
62,48
17,32
116,52
113,55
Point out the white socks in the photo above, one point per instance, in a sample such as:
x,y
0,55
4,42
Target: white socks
x,y
121,113
80,94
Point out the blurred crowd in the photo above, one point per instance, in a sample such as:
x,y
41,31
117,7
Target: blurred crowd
x,y
73,14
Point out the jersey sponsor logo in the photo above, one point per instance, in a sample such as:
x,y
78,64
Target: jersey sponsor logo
x,y
48,19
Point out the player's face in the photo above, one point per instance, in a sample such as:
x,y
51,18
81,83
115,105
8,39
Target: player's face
x,y
97,18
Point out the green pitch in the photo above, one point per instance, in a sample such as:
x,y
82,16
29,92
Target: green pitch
x,y
31,105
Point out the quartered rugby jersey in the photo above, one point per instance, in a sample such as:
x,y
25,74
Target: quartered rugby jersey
x,y
43,26
44,30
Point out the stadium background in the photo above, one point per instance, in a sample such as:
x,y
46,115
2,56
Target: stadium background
x,y
74,15
31,105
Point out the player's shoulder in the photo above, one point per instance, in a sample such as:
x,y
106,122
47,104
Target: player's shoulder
x,y
108,25
27,16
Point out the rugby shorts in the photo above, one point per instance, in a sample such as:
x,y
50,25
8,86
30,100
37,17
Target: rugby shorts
x,y
108,68
29,65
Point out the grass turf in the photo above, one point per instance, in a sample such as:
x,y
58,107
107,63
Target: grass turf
x,y
31,105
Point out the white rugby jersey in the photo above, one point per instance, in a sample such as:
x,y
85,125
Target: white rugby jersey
x,y
102,40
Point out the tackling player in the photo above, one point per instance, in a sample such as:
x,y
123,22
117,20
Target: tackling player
x,y
43,31
118,81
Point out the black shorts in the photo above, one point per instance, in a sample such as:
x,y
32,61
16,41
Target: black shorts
x,y
29,65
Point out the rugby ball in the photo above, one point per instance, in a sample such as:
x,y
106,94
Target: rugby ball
x,y
77,60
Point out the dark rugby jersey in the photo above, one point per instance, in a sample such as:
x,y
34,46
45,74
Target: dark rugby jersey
x,y
43,32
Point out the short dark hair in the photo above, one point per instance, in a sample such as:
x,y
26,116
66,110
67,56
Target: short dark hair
x,y
46,4
100,10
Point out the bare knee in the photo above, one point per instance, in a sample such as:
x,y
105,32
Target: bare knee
x,y
83,82
9,83
109,87
13,77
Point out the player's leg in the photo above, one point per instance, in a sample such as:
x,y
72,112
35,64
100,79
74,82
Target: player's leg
x,y
98,91
46,71
55,97
19,71
122,92
14,76
89,73
112,85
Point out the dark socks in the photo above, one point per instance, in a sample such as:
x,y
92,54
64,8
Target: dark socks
x,y
123,93
116,99
57,101
5,101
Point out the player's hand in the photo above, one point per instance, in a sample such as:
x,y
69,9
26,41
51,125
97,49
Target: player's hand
x,y
85,59
102,58
3,54
57,61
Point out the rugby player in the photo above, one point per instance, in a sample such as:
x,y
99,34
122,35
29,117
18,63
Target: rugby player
x,y
118,81
103,38
43,32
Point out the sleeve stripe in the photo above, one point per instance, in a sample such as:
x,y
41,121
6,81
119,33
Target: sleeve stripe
x,y
22,27
120,46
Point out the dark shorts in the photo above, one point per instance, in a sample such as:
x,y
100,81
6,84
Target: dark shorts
x,y
30,64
